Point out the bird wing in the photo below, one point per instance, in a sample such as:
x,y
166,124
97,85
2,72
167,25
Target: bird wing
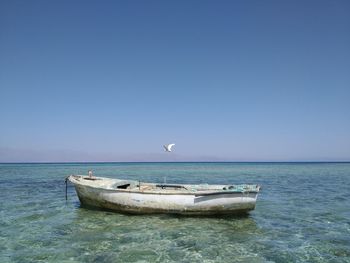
x,y
171,145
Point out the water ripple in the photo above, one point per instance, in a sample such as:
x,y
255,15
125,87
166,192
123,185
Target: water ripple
x,y
302,215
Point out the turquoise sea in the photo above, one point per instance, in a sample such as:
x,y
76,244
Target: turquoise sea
x,y
302,215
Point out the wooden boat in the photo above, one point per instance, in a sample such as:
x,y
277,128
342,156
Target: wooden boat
x,y
138,197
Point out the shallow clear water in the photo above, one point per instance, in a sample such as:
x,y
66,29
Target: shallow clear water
x,y
302,215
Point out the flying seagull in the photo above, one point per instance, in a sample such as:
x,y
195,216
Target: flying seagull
x,y
168,147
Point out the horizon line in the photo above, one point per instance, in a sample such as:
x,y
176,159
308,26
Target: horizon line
x,y
101,162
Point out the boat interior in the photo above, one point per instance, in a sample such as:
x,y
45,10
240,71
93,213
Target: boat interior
x,y
132,185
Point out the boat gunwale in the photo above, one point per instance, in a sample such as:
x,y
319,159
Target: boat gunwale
x,y
196,193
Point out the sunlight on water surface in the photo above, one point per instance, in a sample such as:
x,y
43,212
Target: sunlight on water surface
x,y
302,215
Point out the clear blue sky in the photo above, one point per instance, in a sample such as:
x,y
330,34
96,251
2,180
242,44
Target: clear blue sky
x,y
224,80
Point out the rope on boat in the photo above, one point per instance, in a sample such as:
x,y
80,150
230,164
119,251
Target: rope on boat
x,y
66,182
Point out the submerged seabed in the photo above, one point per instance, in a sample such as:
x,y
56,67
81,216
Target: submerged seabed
x,y
302,215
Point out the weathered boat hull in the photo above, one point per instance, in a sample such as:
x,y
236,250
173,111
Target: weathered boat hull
x,y
148,202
